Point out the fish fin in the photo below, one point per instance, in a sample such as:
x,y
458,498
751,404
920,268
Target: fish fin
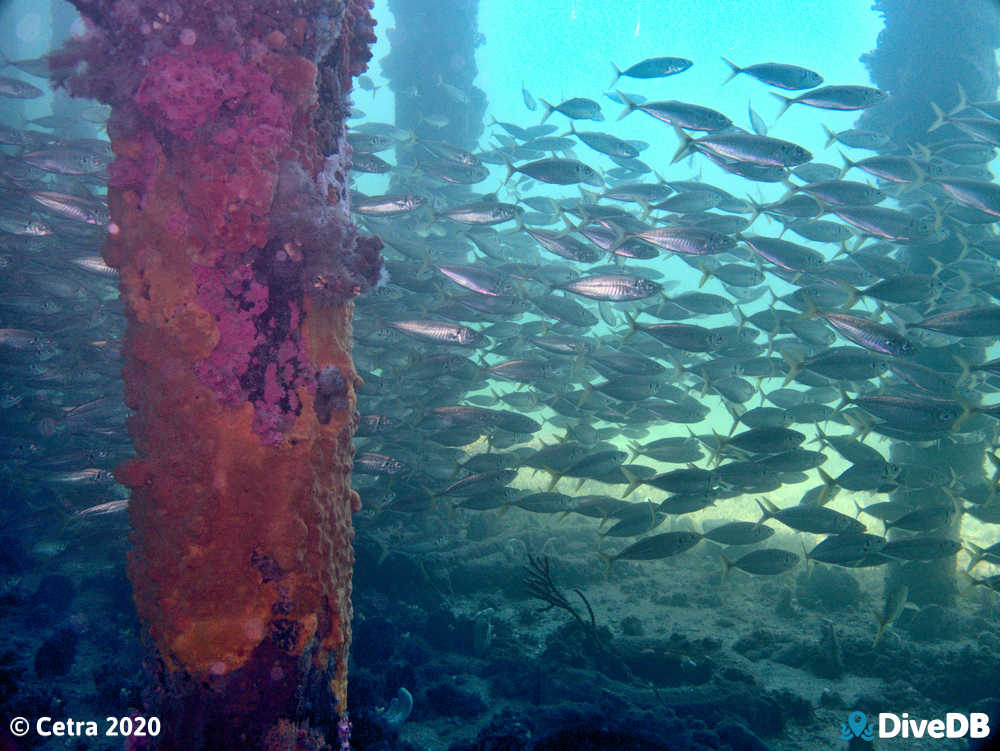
x,y
811,310
609,561
636,450
549,109
966,370
882,623
794,367
686,145
829,483
720,444
555,478
845,399
922,177
963,102
633,326
511,169
786,102
706,274
726,565
735,70
853,294
968,410
831,137
848,164
628,103
939,118
976,554
633,482
767,511
736,410
570,227
618,74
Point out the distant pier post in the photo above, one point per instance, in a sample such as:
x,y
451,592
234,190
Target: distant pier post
x,y
924,53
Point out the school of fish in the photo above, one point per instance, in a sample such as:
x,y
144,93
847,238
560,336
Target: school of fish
x,y
521,333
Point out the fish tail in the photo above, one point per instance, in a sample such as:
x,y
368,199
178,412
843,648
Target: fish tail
x,y
630,106
883,623
786,102
720,443
706,274
963,101
914,184
511,169
633,482
686,145
939,118
831,137
618,74
828,481
757,209
636,452
736,411
548,109
853,295
633,326
820,437
966,373
848,163
734,71
767,510
609,561
811,310
570,227
644,214
976,554
554,476
845,400
963,241
794,367
726,565
968,410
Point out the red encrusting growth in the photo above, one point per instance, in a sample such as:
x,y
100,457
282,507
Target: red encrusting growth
x,y
238,263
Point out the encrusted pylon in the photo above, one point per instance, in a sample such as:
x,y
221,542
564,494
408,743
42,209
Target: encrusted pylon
x,y
238,263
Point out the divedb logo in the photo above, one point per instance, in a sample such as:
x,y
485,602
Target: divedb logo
x,y
954,725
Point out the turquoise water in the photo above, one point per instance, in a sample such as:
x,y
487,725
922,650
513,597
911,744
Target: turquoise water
x,y
565,48
557,50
